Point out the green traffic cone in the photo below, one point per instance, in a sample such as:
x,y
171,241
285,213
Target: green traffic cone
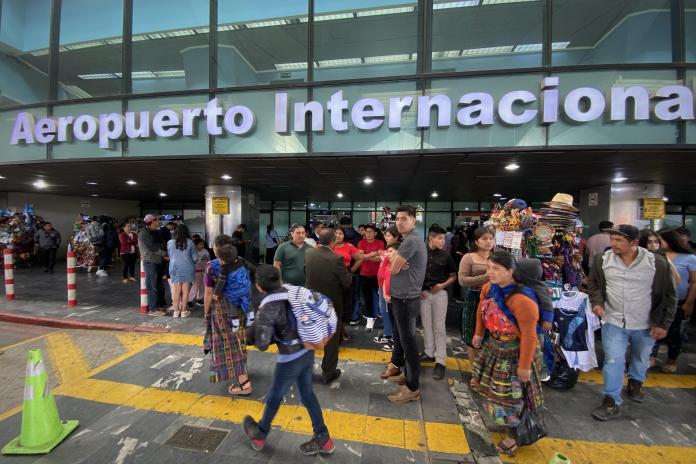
x,y
42,429
559,458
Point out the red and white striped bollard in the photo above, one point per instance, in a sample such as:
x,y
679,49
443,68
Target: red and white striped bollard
x,y
143,289
9,274
72,278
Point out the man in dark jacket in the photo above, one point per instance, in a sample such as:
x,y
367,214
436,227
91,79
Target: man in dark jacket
x,y
275,324
633,291
326,273
48,239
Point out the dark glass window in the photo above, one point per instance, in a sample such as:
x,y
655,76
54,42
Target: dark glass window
x,y
616,31
690,20
486,34
262,42
91,43
364,38
170,45
24,37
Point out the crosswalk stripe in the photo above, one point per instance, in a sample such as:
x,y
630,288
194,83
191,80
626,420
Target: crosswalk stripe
x,y
654,380
397,433
67,358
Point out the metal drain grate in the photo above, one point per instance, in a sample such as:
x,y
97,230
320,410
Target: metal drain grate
x,y
197,438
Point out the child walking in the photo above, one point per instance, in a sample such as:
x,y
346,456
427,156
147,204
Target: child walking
x,y
275,324
198,289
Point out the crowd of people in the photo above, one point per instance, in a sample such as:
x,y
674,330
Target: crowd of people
x,y
642,284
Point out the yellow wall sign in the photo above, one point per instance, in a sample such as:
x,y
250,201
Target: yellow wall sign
x,y
653,208
221,205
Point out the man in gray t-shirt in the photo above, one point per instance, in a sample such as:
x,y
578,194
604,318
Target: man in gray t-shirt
x,y
407,275
408,283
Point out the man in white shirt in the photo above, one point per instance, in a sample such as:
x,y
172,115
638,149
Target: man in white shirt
x,y
633,291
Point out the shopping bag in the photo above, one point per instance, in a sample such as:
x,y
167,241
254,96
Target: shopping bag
x,y
532,427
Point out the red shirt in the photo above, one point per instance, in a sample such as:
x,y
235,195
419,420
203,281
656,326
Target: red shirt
x,y
370,268
346,251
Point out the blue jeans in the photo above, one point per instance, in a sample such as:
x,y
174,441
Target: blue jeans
x,y
356,297
384,311
154,284
615,341
298,371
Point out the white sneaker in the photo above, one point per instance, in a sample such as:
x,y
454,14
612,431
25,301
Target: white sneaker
x,y
102,273
370,324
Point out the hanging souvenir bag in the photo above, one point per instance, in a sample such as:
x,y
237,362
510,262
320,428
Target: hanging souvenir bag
x,y
532,427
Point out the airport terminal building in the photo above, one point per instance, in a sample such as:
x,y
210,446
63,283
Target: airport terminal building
x,y
308,110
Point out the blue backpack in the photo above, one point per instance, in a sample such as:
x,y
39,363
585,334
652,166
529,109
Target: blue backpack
x,y
313,312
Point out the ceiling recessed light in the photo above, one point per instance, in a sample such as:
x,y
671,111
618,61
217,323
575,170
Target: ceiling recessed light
x,y
434,195
40,184
339,195
512,167
131,182
2,177
225,177
497,195
367,181
95,195
503,198
619,179
162,194
91,183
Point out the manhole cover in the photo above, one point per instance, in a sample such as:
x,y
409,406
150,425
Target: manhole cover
x,y
197,438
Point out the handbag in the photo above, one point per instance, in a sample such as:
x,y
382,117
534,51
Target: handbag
x,y
532,427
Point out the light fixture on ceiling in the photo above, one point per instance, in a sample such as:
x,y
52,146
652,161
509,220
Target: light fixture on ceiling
x,y
40,184
311,204
162,194
665,199
497,195
225,177
339,195
434,195
367,180
131,182
95,195
512,167
2,177
503,198
619,178
91,183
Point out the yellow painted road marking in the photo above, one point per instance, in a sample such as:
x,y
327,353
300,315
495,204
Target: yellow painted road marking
x,y
456,364
588,452
67,358
135,342
10,412
24,342
444,438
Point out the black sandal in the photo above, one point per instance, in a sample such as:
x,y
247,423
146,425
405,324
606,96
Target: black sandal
x,y
242,391
507,450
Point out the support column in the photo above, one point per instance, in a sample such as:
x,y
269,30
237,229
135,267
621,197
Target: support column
x,y
619,203
243,209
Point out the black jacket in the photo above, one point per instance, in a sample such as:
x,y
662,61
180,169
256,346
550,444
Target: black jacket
x,y
272,325
326,273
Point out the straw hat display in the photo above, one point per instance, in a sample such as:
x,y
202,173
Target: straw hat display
x,y
561,215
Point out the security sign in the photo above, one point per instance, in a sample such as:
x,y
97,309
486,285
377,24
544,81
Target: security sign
x,y
221,205
653,208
